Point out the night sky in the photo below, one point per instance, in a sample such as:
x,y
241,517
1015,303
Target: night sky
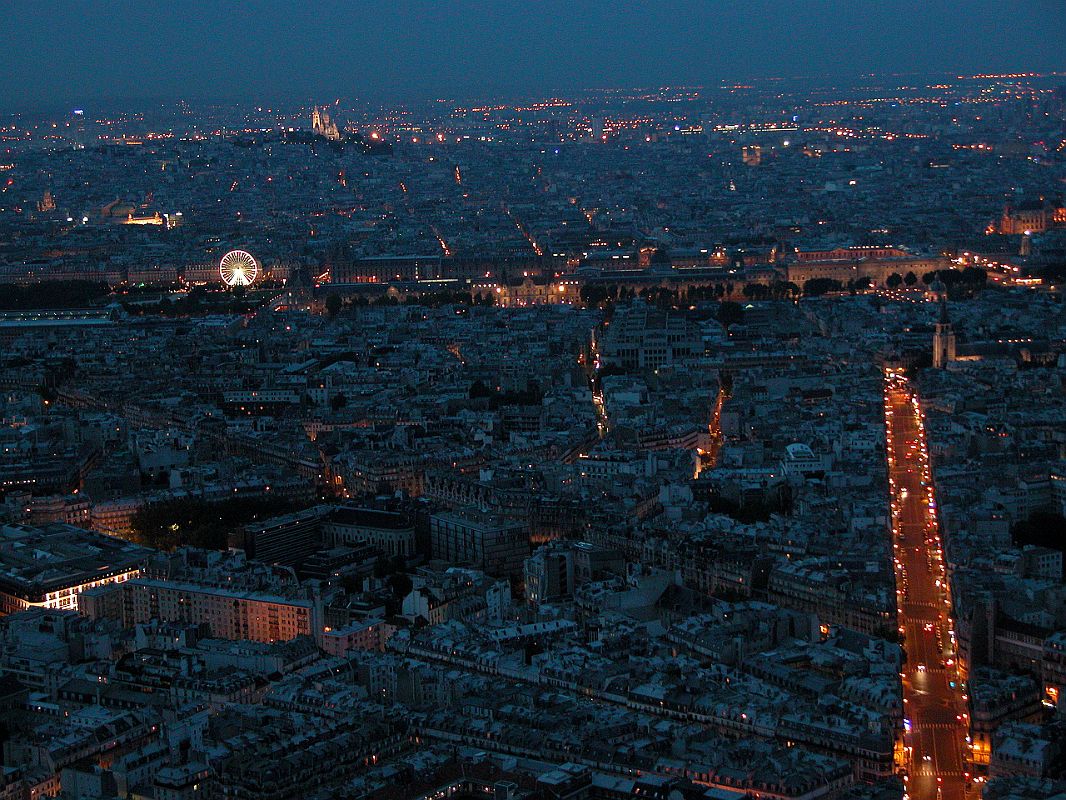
x,y
79,52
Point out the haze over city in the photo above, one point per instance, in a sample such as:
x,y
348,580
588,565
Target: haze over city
x,y
270,50
533,401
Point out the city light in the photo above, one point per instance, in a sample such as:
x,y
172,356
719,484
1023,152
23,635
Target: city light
x,y
942,746
459,439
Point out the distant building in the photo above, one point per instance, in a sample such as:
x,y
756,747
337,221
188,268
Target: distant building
x,y
1022,749
288,539
845,264
363,634
456,594
943,340
643,337
556,569
383,269
390,532
1029,217
479,539
323,125
530,291
237,600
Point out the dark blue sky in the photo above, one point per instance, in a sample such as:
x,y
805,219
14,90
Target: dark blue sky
x,y
78,51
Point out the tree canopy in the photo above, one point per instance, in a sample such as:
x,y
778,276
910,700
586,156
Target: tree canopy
x,y
196,522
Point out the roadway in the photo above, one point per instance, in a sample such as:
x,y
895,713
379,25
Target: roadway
x,y
936,726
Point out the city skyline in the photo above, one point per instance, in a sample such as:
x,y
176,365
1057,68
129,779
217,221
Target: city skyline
x,y
669,442
265,51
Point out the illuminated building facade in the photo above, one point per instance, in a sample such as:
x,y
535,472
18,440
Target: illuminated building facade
x,y
1025,218
208,273
323,125
862,252
50,566
531,292
231,613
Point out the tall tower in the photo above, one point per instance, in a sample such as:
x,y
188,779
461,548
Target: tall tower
x,y
943,339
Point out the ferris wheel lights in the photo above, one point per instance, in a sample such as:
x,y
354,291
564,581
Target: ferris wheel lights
x,y
238,268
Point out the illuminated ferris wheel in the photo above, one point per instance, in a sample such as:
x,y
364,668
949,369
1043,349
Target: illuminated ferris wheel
x,y
238,268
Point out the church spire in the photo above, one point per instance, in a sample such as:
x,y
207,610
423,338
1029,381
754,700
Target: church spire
x,y
943,337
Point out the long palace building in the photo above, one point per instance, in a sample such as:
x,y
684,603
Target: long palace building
x,y
874,262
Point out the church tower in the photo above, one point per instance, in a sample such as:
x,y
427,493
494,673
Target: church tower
x,y
323,125
943,339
